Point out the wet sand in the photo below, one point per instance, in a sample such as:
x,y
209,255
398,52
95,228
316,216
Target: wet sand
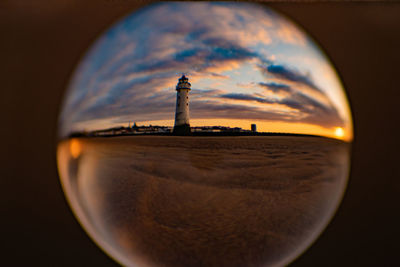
x,y
205,201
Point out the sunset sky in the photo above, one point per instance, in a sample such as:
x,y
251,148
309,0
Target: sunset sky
x,y
246,64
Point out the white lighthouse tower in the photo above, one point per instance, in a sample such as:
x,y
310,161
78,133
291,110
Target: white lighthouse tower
x,y
182,125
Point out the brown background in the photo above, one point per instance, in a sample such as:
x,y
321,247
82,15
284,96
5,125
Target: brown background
x,y
42,41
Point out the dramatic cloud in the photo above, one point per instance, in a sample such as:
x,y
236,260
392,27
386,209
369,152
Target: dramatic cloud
x,y
276,87
131,72
285,73
247,97
309,109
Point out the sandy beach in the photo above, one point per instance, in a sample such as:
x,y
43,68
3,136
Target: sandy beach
x,y
204,201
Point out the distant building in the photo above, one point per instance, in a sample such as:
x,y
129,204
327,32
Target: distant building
x,y
182,125
254,128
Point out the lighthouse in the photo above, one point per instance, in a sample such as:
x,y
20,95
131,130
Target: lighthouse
x,y
182,125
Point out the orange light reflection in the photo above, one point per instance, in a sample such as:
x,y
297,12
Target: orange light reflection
x,y
75,148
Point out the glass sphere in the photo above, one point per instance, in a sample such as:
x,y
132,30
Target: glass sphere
x,y
204,134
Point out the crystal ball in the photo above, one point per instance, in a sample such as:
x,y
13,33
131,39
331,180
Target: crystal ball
x,y
204,134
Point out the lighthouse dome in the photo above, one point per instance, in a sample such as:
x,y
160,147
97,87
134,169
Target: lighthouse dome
x,y
183,78
183,83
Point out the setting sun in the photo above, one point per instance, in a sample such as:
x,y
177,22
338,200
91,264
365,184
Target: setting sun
x,y
339,132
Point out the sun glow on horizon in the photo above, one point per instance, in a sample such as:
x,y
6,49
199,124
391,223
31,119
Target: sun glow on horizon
x,y
343,134
339,132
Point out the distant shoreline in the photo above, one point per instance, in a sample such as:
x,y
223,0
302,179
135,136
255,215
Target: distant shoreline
x,y
202,134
